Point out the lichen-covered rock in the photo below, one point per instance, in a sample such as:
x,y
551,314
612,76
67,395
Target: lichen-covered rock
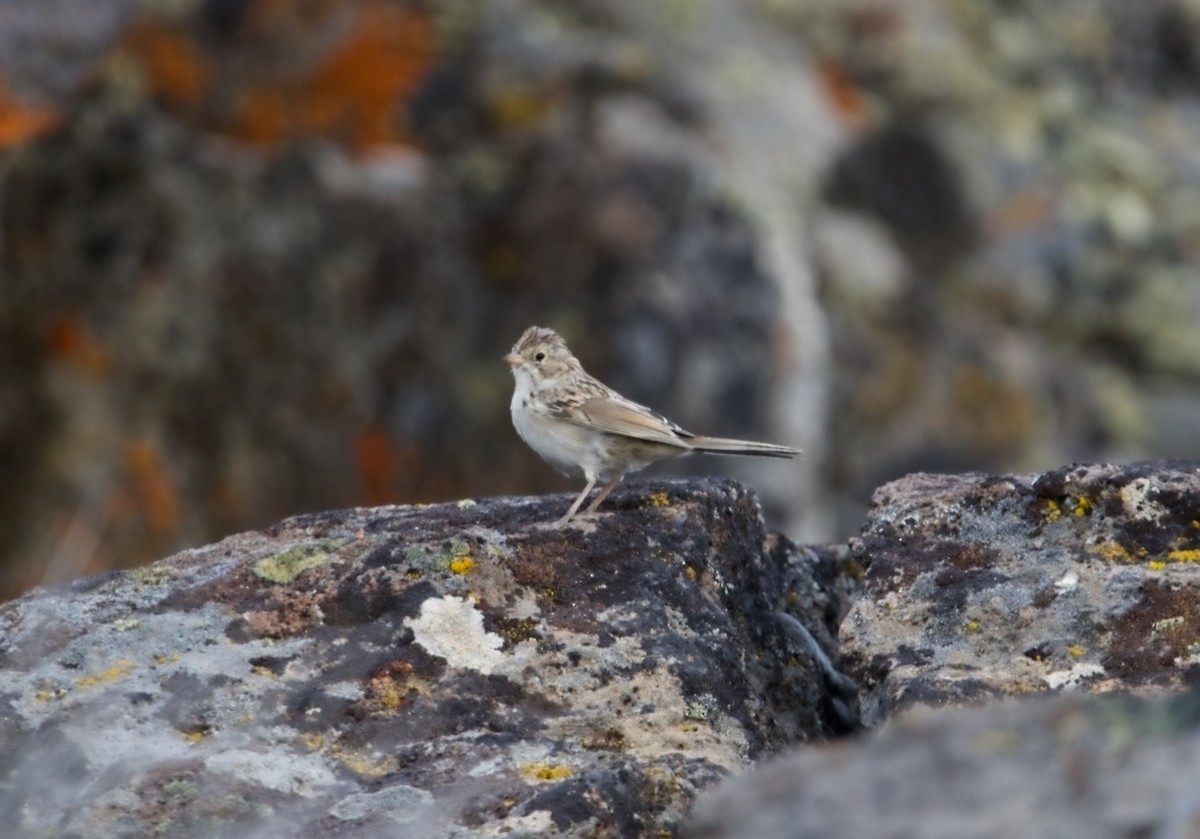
x,y
1068,767
262,241
1087,577
455,669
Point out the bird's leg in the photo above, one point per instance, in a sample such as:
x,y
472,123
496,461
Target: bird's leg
x,y
591,483
604,494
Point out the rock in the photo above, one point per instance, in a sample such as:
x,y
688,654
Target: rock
x,y
978,586
454,669
1068,767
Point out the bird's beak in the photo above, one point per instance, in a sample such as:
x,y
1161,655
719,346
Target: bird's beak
x,y
512,359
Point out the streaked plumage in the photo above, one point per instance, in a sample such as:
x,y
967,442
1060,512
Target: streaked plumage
x,y
586,429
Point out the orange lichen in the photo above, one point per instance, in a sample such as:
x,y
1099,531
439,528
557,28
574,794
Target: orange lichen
x,y
70,341
176,72
356,94
296,68
842,93
151,486
284,20
376,464
990,411
1022,211
20,121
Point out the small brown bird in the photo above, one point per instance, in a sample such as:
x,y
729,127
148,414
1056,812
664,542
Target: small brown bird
x,y
585,429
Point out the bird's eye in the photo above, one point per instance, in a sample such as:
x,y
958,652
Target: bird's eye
x,y
539,356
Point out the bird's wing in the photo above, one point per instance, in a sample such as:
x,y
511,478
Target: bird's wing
x,y
617,415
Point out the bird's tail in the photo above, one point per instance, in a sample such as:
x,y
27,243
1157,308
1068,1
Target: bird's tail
x,y
722,445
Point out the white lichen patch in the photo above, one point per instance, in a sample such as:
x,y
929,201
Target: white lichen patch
x,y
577,664
1067,582
294,774
345,690
452,628
537,823
1071,678
677,623
524,606
401,802
1137,498
657,718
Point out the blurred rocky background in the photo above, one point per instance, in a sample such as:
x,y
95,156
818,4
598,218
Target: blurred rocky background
x,y
259,257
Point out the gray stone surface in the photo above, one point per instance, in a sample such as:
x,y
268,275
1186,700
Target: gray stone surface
x,y
457,669
976,586
1067,767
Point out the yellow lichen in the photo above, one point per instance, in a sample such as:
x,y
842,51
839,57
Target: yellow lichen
x,y
112,674
314,741
391,694
1157,565
1053,512
1167,624
658,499
289,564
152,575
462,565
45,695
286,566
514,107
356,761
1114,552
1190,555
362,763
1083,507
160,660
1075,651
971,626
545,771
